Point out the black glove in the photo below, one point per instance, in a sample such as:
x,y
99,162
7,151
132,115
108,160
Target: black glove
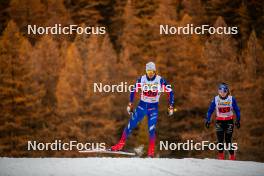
x,y
237,123
207,124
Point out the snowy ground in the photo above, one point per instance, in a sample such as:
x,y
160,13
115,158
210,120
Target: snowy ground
x,y
127,166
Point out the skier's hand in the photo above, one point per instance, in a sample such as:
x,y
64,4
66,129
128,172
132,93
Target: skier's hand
x,y
130,108
237,123
207,124
170,110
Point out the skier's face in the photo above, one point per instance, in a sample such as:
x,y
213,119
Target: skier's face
x,y
222,93
150,73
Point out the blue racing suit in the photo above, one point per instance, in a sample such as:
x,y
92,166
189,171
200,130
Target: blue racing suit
x,y
148,105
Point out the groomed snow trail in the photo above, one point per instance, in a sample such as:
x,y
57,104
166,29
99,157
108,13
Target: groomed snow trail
x,y
127,167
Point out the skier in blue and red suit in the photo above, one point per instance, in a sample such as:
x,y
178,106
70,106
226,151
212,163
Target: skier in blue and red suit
x,y
224,104
151,85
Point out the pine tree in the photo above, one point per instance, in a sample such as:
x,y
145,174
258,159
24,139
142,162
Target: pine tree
x,y
165,45
93,48
128,38
100,50
139,31
48,62
56,12
189,66
254,58
117,23
224,8
4,17
243,22
125,73
20,97
39,13
252,85
27,12
82,43
196,10
86,12
220,53
69,90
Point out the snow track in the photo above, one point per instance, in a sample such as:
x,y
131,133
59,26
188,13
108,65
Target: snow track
x,y
127,167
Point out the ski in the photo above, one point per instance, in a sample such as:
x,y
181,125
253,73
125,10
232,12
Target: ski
x,y
108,151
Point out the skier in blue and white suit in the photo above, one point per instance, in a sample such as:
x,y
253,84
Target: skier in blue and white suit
x,y
224,104
151,86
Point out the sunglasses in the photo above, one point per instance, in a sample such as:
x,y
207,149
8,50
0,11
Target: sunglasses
x,y
150,71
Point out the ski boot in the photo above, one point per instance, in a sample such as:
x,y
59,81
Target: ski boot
x,y
120,144
232,157
221,156
151,149
150,153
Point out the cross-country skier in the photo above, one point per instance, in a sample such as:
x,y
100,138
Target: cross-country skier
x,y
150,86
224,104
